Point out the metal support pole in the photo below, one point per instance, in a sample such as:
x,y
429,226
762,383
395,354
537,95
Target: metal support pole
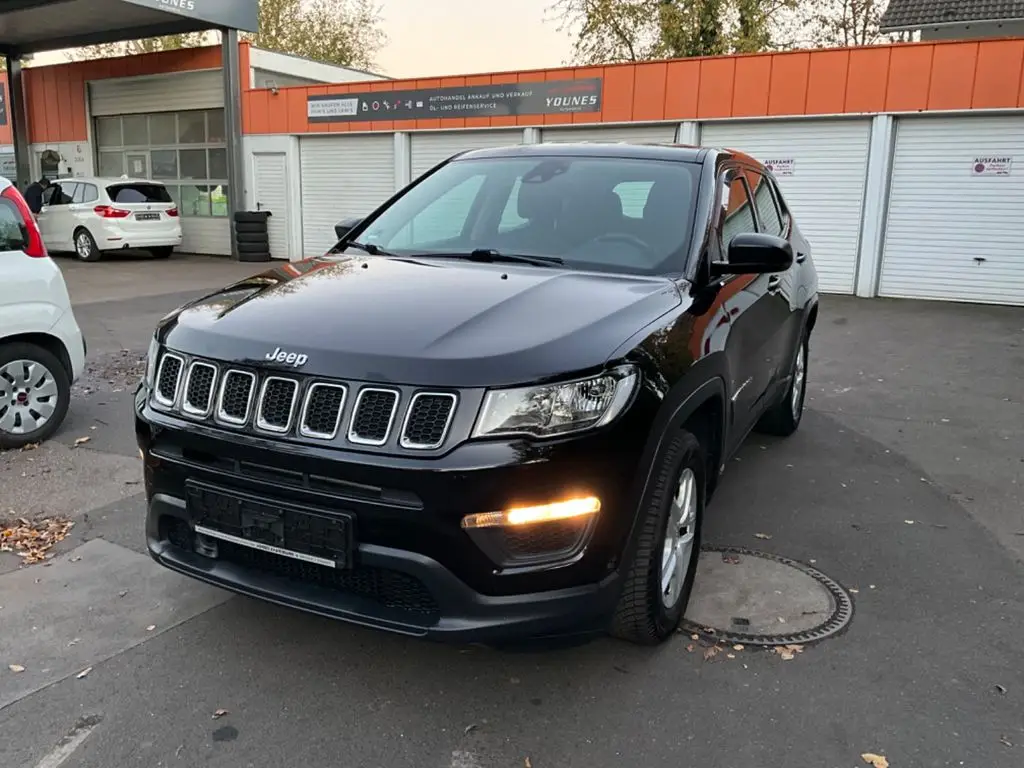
x,y
233,125
17,114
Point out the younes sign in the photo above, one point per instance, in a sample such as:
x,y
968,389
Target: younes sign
x,y
232,14
540,98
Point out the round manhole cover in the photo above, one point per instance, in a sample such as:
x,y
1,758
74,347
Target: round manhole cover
x,y
744,596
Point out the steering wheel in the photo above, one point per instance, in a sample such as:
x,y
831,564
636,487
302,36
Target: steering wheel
x,y
622,237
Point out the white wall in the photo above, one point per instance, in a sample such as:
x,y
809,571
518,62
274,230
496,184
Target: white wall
x,y
76,158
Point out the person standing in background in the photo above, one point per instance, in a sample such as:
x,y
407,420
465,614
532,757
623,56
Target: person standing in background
x,y
34,195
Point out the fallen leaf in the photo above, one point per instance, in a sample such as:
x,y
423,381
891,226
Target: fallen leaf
x,y
30,446
219,713
32,540
73,642
151,627
83,673
855,590
737,647
730,655
876,761
122,593
711,652
1001,689
75,559
1005,741
470,727
82,440
695,636
690,647
762,536
909,522
15,667
527,763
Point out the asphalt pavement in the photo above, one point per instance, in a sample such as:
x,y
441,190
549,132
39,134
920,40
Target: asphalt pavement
x,y
903,484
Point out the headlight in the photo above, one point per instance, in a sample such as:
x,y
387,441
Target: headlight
x,y
154,351
556,409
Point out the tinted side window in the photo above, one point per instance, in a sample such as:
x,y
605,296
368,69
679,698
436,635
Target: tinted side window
x,y
737,211
12,234
768,215
62,193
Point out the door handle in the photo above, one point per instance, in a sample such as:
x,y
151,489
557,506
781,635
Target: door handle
x,y
801,258
774,284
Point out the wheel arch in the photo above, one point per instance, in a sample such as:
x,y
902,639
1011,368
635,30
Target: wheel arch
x,y
50,343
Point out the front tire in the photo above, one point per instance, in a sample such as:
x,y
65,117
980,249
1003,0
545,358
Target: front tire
x,y
660,579
783,418
85,245
34,394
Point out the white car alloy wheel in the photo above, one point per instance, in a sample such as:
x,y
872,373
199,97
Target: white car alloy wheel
x,y
28,396
680,529
84,245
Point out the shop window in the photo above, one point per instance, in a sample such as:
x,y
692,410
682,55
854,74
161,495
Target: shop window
x,y
215,128
164,163
193,164
218,164
135,130
191,127
163,130
108,132
111,164
195,200
219,200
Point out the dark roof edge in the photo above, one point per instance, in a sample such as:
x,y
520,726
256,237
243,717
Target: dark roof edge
x,y
944,24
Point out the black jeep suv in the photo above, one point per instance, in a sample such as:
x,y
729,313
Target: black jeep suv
x,y
497,407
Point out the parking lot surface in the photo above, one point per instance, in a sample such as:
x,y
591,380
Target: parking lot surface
x,y
903,484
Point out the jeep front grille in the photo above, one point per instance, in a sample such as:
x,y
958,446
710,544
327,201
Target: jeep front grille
x,y
277,402
199,389
372,416
427,420
304,407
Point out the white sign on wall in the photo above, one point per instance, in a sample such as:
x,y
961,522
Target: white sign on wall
x,y
781,167
991,166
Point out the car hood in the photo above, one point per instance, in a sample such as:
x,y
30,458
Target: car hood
x,y
437,322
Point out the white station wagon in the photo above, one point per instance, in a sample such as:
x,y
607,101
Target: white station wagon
x,y
90,215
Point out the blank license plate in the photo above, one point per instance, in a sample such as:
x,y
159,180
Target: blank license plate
x,y
276,527
147,216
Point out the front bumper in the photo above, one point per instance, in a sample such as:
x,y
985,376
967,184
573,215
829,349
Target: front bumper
x,y
415,570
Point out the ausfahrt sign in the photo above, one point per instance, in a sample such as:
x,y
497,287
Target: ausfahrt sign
x,y
540,98
991,166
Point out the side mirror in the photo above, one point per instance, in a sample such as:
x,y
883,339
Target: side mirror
x,y
345,226
755,253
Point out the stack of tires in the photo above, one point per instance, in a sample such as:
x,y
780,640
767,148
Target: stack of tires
x,y
251,234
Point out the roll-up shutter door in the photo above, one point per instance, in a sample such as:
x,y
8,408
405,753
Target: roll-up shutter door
x,y
157,93
429,149
955,225
342,176
823,186
640,134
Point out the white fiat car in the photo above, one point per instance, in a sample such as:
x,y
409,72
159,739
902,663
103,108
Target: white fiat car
x,y
90,215
42,351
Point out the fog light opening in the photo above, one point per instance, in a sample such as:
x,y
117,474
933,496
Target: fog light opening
x,y
518,516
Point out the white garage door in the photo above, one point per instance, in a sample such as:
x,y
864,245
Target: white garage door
x,y
429,149
639,134
824,186
342,176
954,231
270,188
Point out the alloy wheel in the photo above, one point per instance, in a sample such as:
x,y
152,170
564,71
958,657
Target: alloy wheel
x,y
83,246
28,396
799,379
680,531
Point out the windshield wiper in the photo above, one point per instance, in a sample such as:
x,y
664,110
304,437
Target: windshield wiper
x,y
370,248
491,255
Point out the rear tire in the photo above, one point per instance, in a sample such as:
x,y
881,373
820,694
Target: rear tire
x,y
85,245
783,418
163,252
649,612
32,368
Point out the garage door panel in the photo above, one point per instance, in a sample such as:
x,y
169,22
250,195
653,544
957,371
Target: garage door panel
x,y
951,235
429,149
636,133
826,188
342,176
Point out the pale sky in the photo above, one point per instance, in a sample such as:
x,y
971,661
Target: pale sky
x,y
453,37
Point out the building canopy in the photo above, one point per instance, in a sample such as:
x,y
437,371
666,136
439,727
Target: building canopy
x,y
32,26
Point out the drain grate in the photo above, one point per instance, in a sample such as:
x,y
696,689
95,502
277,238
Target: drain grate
x,y
757,598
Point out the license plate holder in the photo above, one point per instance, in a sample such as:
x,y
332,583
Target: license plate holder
x,y
289,530
147,217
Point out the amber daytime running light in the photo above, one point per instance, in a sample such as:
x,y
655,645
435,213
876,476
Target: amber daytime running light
x,y
559,510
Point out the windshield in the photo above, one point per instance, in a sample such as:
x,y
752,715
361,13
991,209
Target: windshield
x,y
595,213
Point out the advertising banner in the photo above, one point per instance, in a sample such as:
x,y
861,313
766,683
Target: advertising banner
x,y
232,14
540,98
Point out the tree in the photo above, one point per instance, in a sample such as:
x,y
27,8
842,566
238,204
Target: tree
x,y
343,32
639,30
844,22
